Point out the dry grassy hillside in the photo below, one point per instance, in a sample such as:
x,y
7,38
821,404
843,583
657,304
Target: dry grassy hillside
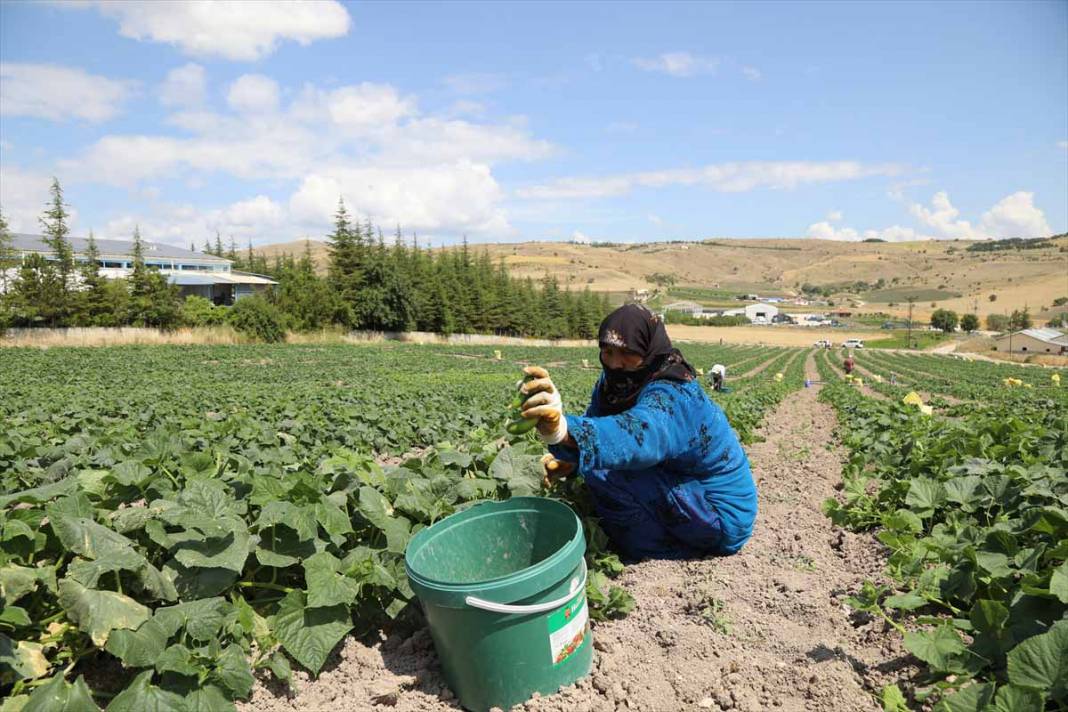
x,y
931,271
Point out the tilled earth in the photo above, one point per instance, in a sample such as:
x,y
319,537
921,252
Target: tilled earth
x,y
766,629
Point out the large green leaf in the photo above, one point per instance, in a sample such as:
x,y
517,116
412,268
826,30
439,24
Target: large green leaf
x,y
141,647
300,518
973,698
202,619
925,496
229,551
327,587
374,507
309,634
962,491
57,695
84,536
16,582
939,648
21,660
142,696
233,672
989,616
199,582
1041,662
1016,699
178,659
1058,582
100,612
208,698
39,495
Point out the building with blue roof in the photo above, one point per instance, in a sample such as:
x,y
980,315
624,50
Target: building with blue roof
x,y
194,273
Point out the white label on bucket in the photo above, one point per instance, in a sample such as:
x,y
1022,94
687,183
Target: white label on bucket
x,y
568,628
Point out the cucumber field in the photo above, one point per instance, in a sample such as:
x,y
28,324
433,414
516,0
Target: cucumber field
x,y
224,527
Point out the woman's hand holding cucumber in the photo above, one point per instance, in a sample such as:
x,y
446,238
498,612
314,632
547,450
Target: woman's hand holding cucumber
x,y
544,404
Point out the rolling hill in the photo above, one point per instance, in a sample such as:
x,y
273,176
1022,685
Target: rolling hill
x,y
939,273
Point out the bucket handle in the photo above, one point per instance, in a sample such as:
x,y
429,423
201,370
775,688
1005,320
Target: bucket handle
x,y
485,605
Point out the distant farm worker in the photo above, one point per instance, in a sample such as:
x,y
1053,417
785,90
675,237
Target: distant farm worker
x,y
666,473
849,363
719,375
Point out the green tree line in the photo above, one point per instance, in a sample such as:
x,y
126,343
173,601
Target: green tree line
x,y
369,285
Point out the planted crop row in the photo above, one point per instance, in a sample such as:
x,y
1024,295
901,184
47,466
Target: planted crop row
x,y
974,513
751,399
967,380
183,518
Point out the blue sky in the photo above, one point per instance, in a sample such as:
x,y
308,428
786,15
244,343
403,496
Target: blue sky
x,y
515,121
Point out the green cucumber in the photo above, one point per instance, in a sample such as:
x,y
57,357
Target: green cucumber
x,y
521,426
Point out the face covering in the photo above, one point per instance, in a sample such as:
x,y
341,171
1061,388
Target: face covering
x,y
635,328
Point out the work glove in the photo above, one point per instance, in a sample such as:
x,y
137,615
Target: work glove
x,y
553,469
545,404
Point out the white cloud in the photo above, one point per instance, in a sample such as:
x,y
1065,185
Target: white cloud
x,y
1062,145
259,219
23,195
722,177
581,238
59,93
444,197
368,105
678,64
826,231
834,216
1016,216
655,219
475,82
752,73
253,94
369,142
184,86
240,30
942,217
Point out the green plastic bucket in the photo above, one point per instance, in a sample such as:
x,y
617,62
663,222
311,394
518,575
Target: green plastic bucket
x,y
503,587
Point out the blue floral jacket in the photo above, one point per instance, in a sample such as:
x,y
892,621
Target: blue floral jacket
x,y
670,465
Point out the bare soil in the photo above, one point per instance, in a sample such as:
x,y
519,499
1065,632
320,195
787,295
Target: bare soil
x,y
766,629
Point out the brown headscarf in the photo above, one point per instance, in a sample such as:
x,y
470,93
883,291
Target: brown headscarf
x,y
635,328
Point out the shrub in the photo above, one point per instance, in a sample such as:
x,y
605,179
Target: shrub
x,y
258,318
198,311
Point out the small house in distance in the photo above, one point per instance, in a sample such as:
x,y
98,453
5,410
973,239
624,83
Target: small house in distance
x,y
194,273
1033,341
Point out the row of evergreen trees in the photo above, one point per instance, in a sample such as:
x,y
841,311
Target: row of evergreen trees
x,y
65,291
368,285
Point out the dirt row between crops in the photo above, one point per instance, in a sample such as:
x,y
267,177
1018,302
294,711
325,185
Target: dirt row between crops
x,y
758,368
766,629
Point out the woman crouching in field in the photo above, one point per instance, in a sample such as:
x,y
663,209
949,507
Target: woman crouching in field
x,y
667,474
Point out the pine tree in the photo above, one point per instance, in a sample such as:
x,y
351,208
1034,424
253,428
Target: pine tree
x,y
218,245
231,254
207,248
7,255
32,299
56,230
251,257
345,274
139,286
153,302
91,301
